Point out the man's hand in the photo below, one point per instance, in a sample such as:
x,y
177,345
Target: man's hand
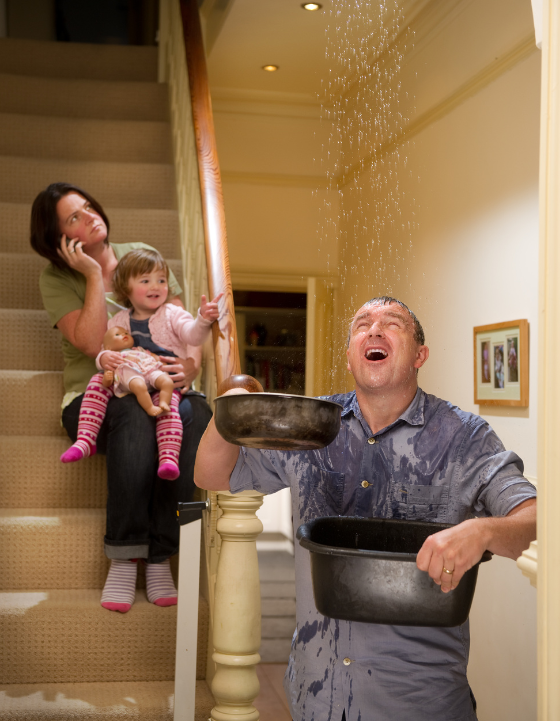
x,y
216,458
457,549
454,550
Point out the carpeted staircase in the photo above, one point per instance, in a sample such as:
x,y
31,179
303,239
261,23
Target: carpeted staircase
x,y
94,116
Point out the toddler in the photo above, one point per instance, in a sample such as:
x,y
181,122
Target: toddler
x,y
158,328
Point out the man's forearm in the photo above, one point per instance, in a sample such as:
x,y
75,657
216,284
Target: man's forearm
x,y
215,460
512,534
458,548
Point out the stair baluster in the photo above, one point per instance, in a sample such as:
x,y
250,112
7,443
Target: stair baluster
x,y
237,611
236,614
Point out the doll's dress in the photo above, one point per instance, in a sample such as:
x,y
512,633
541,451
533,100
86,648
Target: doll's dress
x,y
136,363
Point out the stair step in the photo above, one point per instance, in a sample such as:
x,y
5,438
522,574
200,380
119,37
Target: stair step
x,y
70,638
34,540
278,627
275,650
134,701
34,477
52,548
282,589
31,403
126,141
275,606
156,227
34,344
128,185
19,285
104,100
78,60
19,280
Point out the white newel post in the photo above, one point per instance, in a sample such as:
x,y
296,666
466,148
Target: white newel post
x,y
237,609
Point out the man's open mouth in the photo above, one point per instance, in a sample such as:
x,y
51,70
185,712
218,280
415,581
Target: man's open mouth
x,y
376,354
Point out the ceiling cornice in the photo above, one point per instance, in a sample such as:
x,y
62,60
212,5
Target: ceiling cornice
x,y
260,102
472,86
315,182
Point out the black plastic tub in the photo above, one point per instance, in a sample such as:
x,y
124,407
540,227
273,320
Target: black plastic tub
x,y
364,569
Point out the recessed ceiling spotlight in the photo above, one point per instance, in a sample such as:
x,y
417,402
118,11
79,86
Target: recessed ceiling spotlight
x,y
311,6
270,68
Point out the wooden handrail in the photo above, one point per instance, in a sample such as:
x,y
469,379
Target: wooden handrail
x,y
236,609
226,352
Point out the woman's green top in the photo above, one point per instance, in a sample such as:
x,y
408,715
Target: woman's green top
x,y
64,291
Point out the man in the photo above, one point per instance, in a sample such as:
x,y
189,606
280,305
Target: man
x,y
393,437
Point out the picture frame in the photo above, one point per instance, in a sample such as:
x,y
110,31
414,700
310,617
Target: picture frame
x,y
501,364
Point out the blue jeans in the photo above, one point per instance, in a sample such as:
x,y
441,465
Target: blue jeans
x,y
142,508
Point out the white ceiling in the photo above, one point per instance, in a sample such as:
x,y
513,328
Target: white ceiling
x,y
244,35
278,32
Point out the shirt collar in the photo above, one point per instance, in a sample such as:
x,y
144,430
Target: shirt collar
x,y
413,415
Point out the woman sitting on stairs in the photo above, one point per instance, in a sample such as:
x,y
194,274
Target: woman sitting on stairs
x,y
71,230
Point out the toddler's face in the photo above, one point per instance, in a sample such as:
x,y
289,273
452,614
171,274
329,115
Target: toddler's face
x,y
148,292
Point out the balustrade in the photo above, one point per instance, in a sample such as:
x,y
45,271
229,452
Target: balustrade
x,y
235,614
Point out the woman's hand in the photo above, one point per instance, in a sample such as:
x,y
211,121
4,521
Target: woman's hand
x,y
181,370
209,309
110,360
72,253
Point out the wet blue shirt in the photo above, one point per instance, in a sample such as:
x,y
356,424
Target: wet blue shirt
x,y
434,463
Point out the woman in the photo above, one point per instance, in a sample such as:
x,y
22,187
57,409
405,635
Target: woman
x,y
71,230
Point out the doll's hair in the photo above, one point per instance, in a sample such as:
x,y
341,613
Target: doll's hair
x,y
133,264
45,225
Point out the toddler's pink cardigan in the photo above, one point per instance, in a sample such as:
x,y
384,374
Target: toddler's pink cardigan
x,y
171,327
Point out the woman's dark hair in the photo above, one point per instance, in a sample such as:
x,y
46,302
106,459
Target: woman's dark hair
x,y
45,228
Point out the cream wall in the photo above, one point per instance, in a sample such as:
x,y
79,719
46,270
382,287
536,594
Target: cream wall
x,y
470,190
475,261
272,180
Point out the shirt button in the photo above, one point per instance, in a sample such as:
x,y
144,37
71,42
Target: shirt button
x,y
347,662
371,441
365,484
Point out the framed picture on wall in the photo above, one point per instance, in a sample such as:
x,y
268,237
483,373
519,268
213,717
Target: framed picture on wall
x,y
501,364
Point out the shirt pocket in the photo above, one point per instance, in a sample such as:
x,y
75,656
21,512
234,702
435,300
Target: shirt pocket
x,y
320,493
417,502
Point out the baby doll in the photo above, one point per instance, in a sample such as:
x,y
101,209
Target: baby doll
x,y
165,329
139,372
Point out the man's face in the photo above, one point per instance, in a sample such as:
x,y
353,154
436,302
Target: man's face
x,y
382,353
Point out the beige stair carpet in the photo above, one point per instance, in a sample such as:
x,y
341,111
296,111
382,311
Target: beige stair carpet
x,y
143,225
62,656
78,60
99,99
126,141
141,701
132,185
19,284
105,646
47,483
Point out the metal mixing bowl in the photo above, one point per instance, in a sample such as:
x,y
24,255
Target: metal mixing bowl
x,y
277,421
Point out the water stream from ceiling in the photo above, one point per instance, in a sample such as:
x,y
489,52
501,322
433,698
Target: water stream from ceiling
x,y
362,100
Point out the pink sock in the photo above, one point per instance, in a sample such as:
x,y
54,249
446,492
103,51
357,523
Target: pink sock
x,y
169,434
120,586
160,588
92,414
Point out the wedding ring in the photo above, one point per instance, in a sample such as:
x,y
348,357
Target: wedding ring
x,y
446,571
72,250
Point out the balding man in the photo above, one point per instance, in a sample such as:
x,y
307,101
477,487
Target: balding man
x,y
397,439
